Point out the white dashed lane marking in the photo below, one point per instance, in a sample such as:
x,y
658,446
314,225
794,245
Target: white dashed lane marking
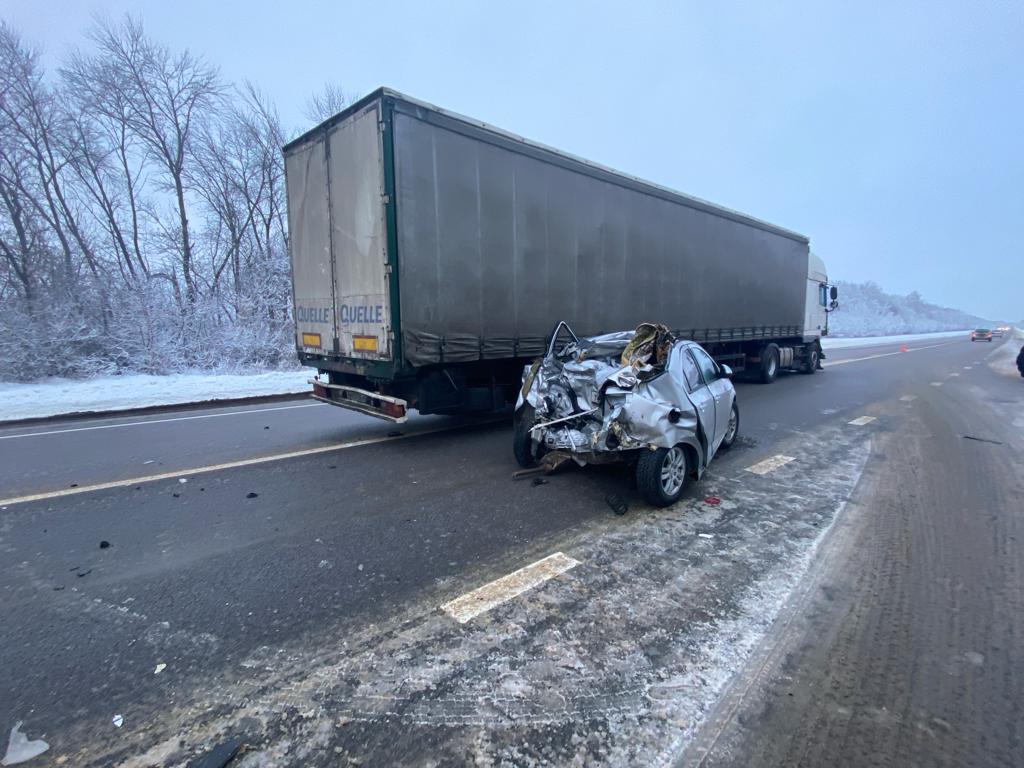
x,y
770,464
908,398
936,383
493,594
954,374
860,421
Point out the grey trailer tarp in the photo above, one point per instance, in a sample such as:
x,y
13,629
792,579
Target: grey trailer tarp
x,y
496,244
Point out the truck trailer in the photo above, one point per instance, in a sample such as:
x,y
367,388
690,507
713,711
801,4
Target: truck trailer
x,y
432,255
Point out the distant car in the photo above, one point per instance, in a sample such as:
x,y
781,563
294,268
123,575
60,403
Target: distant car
x,y
981,334
997,333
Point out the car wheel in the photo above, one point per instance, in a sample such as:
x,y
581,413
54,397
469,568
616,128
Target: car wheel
x,y
661,475
733,430
769,364
525,451
812,361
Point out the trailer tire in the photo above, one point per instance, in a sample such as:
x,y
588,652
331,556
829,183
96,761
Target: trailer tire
x,y
522,443
813,358
662,475
769,364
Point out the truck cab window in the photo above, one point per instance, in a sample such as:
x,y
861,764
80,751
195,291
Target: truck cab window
x,y
823,294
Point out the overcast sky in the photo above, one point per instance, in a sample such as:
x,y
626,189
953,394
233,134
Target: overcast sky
x,y
891,136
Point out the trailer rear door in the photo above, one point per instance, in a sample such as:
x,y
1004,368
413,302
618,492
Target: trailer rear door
x,y
339,243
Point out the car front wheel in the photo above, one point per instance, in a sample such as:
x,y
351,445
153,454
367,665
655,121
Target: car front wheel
x,y
733,430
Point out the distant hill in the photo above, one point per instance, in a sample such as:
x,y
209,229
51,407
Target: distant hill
x,y
866,310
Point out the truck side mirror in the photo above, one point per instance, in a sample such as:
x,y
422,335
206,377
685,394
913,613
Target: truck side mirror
x,y
833,293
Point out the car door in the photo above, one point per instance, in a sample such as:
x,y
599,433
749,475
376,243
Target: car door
x,y
720,389
702,399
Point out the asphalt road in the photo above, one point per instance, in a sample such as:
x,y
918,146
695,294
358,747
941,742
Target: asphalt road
x,y
859,604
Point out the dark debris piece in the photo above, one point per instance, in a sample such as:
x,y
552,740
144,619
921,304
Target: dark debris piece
x,y
540,481
104,544
80,574
617,503
251,495
219,756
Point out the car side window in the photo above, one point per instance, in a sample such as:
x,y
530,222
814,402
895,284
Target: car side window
x,y
707,366
689,369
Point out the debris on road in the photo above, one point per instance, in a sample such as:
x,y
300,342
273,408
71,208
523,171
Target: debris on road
x,y
540,481
104,544
981,440
251,495
182,480
705,535
80,574
159,668
714,501
118,720
20,748
219,756
617,504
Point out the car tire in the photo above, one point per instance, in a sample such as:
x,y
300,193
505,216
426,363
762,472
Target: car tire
x,y
769,364
733,430
813,357
522,444
662,475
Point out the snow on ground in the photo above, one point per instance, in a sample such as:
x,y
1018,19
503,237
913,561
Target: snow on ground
x,y
1004,359
52,397
832,342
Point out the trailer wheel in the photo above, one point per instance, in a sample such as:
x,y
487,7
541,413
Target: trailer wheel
x,y
813,356
522,444
769,364
662,474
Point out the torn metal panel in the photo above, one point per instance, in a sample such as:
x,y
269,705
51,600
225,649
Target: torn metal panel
x,y
599,397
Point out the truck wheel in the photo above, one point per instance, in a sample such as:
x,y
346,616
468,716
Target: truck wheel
x,y
813,356
522,444
769,364
733,430
661,475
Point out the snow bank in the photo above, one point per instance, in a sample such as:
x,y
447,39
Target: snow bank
x,y
1004,359
831,342
52,397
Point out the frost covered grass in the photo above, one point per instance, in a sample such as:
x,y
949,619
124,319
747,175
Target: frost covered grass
x,y
53,397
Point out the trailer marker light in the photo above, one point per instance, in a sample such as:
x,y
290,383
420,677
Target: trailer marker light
x,y
364,343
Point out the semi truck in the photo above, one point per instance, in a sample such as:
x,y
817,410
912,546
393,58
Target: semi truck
x,y
432,254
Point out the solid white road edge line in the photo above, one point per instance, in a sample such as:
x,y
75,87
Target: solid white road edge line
x,y
483,599
157,421
770,464
884,354
215,467
860,421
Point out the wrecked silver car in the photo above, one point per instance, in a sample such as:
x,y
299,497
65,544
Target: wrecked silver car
x,y
643,396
